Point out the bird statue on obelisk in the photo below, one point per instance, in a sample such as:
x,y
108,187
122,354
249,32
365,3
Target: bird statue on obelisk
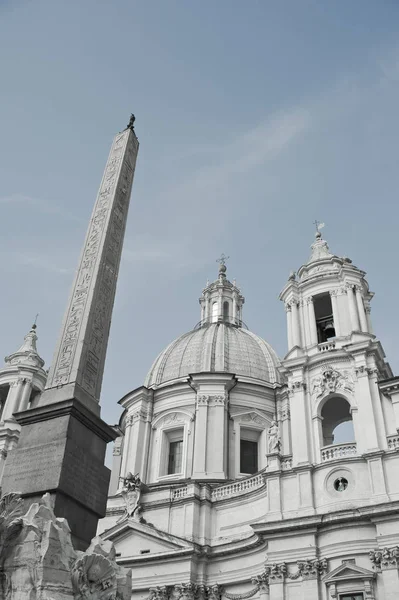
x,y
62,443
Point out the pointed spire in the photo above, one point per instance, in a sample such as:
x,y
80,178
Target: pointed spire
x,y
320,247
27,353
29,343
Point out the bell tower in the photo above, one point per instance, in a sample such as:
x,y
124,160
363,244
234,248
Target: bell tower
x,y
328,300
334,361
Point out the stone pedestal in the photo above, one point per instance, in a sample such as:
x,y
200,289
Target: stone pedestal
x,y
273,461
61,451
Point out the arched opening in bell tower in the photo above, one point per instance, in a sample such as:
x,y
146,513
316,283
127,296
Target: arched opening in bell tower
x,y
337,422
214,312
225,311
324,318
4,389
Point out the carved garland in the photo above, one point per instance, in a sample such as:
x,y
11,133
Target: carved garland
x,y
274,573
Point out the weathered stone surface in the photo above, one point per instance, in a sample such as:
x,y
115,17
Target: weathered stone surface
x,y
61,451
38,561
78,365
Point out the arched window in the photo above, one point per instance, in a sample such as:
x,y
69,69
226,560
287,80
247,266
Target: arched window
x,y
324,318
337,422
4,389
214,312
225,311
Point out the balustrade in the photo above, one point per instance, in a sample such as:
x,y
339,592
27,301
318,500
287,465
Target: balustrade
x,y
393,442
237,488
336,451
326,346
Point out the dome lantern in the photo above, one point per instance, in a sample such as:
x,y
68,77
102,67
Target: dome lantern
x,y
221,301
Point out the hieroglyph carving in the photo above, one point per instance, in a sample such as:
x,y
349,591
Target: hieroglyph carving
x,y
331,380
81,350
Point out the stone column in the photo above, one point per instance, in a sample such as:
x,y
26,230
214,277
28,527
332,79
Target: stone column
x,y
234,319
134,458
312,321
377,408
295,324
276,581
285,430
116,466
306,329
126,445
366,420
310,588
334,303
216,439
318,437
354,318
390,579
207,307
13,398
300,433
289,325
25,395
367,308
220,304
201,426
145,452
360,308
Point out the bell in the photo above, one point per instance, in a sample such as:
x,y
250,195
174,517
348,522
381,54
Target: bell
x,y
329,330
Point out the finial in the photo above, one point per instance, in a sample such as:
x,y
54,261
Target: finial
x,y
34,326
318,226
222,264
130,125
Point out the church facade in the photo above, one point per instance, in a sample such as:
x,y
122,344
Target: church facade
x,y
237,474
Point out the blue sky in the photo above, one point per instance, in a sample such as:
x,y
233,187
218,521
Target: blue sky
x,y
255,118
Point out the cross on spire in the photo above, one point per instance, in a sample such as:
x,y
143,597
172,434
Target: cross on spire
x,y
34,326
318,225
222,259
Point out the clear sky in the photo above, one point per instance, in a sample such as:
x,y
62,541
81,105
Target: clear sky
x,y
255,117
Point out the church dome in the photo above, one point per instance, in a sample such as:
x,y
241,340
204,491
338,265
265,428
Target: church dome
x,y
215,347
219,343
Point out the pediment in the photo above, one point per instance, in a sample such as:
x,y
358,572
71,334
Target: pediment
x,y
348,571
248,415
132,538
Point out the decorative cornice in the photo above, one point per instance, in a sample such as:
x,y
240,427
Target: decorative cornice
x,y
310,569
212,399
384,559
296,386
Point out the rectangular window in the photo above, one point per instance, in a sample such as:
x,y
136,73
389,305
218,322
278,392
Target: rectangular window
x,y
248,456
355,596
175,457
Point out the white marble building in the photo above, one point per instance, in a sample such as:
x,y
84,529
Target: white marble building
x,y
238,475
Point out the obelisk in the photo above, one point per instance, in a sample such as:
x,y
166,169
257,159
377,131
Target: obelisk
x,y
63,440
